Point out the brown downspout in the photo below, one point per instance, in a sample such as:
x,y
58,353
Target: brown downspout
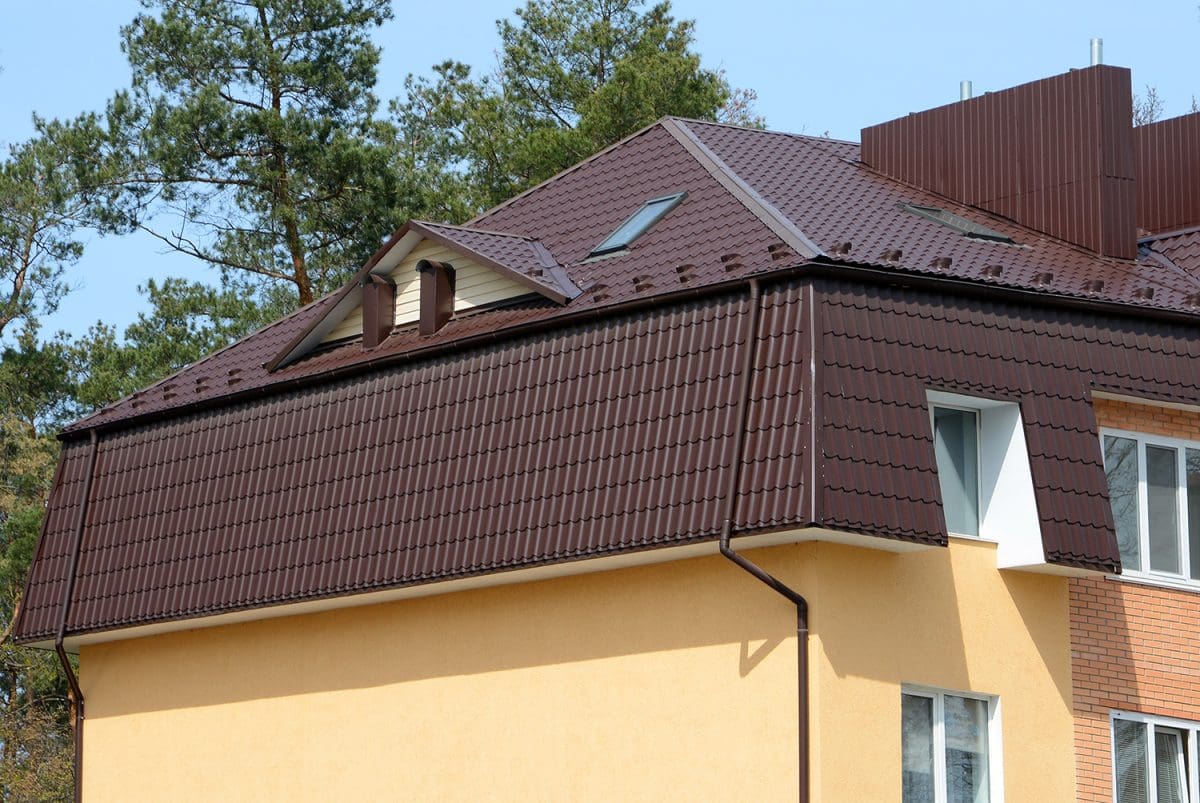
x,y
73,565
742,414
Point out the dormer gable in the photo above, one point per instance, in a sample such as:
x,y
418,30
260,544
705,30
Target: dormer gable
x,y
425,274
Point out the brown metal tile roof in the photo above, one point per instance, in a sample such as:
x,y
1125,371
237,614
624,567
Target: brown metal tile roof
x,y
883,347
598,438
817,183
538,432
835,199
1181,250
569,216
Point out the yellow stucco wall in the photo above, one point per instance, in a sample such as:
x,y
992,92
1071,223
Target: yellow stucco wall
x,y
945,619
667,682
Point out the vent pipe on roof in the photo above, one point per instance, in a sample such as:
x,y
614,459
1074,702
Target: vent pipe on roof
x,y
1097,51
964,90
378,309
437,295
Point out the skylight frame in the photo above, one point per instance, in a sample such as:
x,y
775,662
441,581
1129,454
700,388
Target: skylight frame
x,y
631,228
958,223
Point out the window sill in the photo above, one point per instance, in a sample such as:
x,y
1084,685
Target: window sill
x,y
1191,586
976,538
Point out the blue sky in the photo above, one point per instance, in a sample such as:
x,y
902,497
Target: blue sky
x,y
817,67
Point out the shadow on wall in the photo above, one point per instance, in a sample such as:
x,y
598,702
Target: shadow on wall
x,y
1122,639
941,617
1105,672
700,603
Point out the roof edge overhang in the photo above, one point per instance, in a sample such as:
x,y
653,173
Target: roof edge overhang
x,y
528,574
1145,397
819,267
340,308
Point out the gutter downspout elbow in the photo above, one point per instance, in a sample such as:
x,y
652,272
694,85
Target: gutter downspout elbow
x,y
72,569
753,569
802,670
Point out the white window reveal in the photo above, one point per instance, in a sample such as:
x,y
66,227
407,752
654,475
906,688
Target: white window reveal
x,y
1154,759
950,747
983,473
1154,490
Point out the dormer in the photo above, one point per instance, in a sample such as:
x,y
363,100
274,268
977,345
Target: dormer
x,y
428,273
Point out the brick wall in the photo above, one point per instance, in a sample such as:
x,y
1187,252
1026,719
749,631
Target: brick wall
x,y
1134,647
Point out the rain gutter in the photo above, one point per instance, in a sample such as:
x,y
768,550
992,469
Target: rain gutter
x,y
754,570
68,670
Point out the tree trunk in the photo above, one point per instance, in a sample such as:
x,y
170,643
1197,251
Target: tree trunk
x,y
284,203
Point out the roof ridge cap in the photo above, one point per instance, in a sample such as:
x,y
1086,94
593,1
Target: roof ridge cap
x,y
1181,272
475,230
783,226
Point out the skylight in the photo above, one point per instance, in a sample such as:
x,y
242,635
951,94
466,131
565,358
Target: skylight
x,y
960,224
638,223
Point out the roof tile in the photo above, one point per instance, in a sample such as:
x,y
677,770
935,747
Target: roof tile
x,y
588,430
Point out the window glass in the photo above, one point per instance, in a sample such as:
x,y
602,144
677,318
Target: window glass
x,y
1192,462
1121,466
917,748
1153,760
1168,765
966,723
1130,747
1154,488
638,223
945,750
956,448
1162,508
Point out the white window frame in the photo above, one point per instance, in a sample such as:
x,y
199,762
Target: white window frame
x,y
995,745
1192,731
1007,510
979,500
1180,445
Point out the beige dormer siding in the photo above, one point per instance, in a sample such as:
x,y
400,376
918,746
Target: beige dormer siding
x,y
475,286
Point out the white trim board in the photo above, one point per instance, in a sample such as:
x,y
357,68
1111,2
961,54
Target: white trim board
x,y
1144,402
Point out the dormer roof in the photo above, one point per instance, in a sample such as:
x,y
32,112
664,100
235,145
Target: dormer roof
x,y
511,264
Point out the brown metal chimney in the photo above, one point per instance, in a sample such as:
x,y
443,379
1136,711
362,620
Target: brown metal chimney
x,y
437,295
1055,155
1167,157
378,309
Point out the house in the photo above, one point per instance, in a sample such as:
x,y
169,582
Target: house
x,y
726,465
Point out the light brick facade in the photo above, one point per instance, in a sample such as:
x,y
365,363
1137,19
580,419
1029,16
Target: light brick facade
x,y
1134,647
